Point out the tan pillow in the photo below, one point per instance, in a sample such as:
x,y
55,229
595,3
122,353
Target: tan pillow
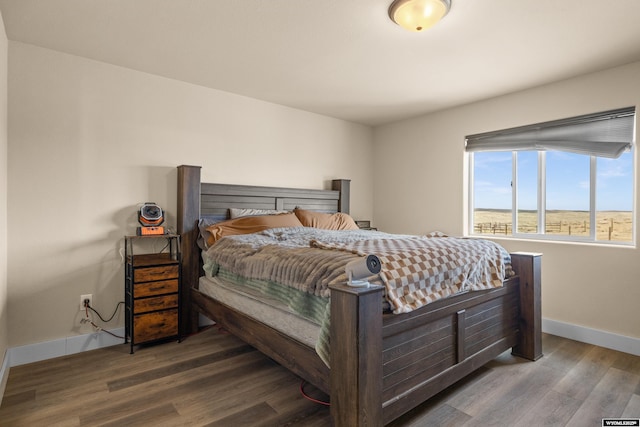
x,y
250,224
336,221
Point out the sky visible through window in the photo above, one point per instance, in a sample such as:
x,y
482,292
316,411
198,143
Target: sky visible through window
x,y
567,181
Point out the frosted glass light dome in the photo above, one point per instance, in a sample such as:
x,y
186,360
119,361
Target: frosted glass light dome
x,y
418,15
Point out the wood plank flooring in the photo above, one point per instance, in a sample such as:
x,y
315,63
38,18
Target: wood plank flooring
x,y
213,379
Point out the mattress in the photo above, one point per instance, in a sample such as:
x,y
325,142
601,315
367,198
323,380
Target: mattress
x,y
267,310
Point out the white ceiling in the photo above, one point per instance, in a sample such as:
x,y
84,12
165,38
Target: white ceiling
x,y
341,58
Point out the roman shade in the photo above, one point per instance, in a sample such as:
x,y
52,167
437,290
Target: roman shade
x,y
605,134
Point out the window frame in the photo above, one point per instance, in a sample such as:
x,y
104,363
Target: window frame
x,y
541,204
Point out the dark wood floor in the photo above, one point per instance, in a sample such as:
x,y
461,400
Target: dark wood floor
x,y
213,379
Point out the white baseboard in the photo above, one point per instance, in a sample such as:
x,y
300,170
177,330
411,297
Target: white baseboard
x,y
592,336
61,347
4,374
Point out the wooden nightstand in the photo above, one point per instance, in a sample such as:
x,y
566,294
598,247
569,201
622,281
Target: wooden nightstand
x,y
152,289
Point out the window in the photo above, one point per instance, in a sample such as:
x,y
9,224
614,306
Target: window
x,y
570,180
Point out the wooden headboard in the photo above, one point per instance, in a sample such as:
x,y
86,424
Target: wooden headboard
x,y
196,200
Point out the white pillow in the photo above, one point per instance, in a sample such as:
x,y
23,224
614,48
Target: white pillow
x,y
240,212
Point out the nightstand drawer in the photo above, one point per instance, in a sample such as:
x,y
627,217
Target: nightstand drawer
x,y
152,287
161,272
160,287
145,305
153,326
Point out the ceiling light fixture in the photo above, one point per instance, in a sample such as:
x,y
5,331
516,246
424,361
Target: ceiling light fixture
x,y
418,15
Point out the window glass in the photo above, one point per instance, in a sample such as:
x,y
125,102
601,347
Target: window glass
x,y
567,194
492,193
527,191
614,199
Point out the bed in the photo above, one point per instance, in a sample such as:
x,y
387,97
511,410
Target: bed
x,y
381,365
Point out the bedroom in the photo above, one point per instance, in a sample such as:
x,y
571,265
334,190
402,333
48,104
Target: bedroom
x,y
86,141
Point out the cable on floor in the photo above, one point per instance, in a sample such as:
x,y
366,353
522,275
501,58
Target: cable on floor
x,y
306,396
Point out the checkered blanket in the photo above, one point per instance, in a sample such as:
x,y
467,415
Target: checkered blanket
x,y
420,270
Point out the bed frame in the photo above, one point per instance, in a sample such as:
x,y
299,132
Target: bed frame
x,y
381,365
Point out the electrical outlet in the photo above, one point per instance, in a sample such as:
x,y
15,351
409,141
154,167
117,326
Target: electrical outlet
x,y
82,300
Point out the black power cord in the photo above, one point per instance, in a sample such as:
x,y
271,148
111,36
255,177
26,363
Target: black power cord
x,y
112,316
87,319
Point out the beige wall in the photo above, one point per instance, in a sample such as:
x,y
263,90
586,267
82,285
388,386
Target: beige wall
x,y
88,141
4,331
420,186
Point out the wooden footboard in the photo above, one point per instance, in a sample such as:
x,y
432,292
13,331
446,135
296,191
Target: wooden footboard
x,y
381,367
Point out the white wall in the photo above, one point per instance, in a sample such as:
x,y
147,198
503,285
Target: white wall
x,y
4,330
420,187
88,141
